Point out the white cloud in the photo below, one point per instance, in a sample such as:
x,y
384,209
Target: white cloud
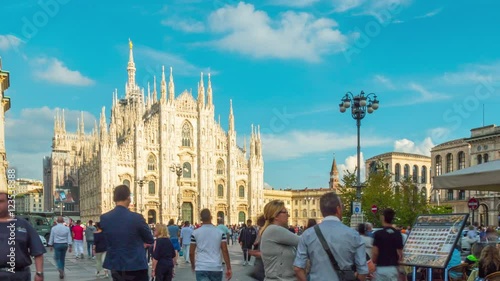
x,y
346,5
439,134
294,35
28,137
294,3
384,81
267,186
9,42
350,165
184,24
430,14
180,65
473,73
295,144
54,71
423,95
408,146
426,95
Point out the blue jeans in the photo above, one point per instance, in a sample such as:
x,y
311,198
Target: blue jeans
x,y
89,248
60,254
208,275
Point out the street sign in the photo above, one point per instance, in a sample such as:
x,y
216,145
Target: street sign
x,y
473,203
356,208
374,209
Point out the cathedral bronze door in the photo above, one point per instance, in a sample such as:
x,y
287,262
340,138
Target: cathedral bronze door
x,y
187,212
151,217
241,217
220,215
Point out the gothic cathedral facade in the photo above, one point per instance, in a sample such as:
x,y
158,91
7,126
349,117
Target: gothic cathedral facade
x,y
171,152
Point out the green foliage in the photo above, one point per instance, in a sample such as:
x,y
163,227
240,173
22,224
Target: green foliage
x,y
404,197
443,209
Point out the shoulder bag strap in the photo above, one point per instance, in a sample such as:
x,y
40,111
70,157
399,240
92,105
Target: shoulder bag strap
x,y
326,247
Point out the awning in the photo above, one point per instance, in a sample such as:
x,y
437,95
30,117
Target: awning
x,y
483,177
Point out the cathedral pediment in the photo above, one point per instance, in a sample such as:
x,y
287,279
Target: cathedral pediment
x,y
186,102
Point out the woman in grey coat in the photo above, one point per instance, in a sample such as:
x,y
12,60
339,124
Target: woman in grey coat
x,y
278,245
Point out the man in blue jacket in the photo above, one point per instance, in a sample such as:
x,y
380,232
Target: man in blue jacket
x,y
127,235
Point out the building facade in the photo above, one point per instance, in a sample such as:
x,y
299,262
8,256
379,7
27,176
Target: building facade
x,y
482,146
30,201
174,155
4,85
303,204
404,165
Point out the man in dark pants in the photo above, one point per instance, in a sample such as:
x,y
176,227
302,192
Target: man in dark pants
x,y
18,241
247,238
127,235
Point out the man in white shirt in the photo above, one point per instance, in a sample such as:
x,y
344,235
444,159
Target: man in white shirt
x,y
60,241
207,242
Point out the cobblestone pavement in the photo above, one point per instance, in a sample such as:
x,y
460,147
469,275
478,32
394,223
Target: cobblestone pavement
x,y
84,269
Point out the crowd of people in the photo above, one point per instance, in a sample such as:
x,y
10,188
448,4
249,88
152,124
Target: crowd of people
x,y
126,248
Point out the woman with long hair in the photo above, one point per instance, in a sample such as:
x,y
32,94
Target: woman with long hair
x,y
489,261
277,244
99,250
163,255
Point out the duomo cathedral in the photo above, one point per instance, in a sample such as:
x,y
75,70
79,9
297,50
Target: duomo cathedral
x,y
171,152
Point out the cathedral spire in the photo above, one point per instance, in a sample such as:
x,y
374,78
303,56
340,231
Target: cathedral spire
x,y
231,116
245,144
148,104
209,93
82,124
171,89
131,66
163,86
63,122
155,94
103,125
201,92
334,175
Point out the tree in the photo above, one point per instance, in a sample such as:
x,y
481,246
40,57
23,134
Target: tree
x,y
409,202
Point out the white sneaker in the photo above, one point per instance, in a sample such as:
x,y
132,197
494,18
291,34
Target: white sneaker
x,y
97,273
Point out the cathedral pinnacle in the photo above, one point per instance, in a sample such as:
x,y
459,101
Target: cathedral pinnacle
x,y
163,85
201,92
209,92
155,95
231,116
131,66
171,89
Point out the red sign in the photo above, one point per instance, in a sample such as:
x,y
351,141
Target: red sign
x,y
473,203
374,209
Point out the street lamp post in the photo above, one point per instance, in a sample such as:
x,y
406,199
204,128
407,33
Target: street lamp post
x,y
141,183
177,169
360,105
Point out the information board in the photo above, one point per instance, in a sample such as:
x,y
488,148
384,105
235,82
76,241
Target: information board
x,y
432,239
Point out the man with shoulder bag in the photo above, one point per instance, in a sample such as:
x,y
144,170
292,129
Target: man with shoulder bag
x,y
341,245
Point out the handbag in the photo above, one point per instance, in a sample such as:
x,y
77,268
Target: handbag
x,y
344,275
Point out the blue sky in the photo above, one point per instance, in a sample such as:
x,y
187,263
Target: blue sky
x,y
285,64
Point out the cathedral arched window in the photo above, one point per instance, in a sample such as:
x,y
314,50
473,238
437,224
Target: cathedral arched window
x,y
304,213
186,170
152,188
186,135
313,213
220,190
461,160
423,175
295,213
126,182
415,174
151,162
449,162
220,167
397,172
439,165
241,191
406,171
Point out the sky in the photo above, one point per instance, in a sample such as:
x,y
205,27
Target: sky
x,y
286,64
